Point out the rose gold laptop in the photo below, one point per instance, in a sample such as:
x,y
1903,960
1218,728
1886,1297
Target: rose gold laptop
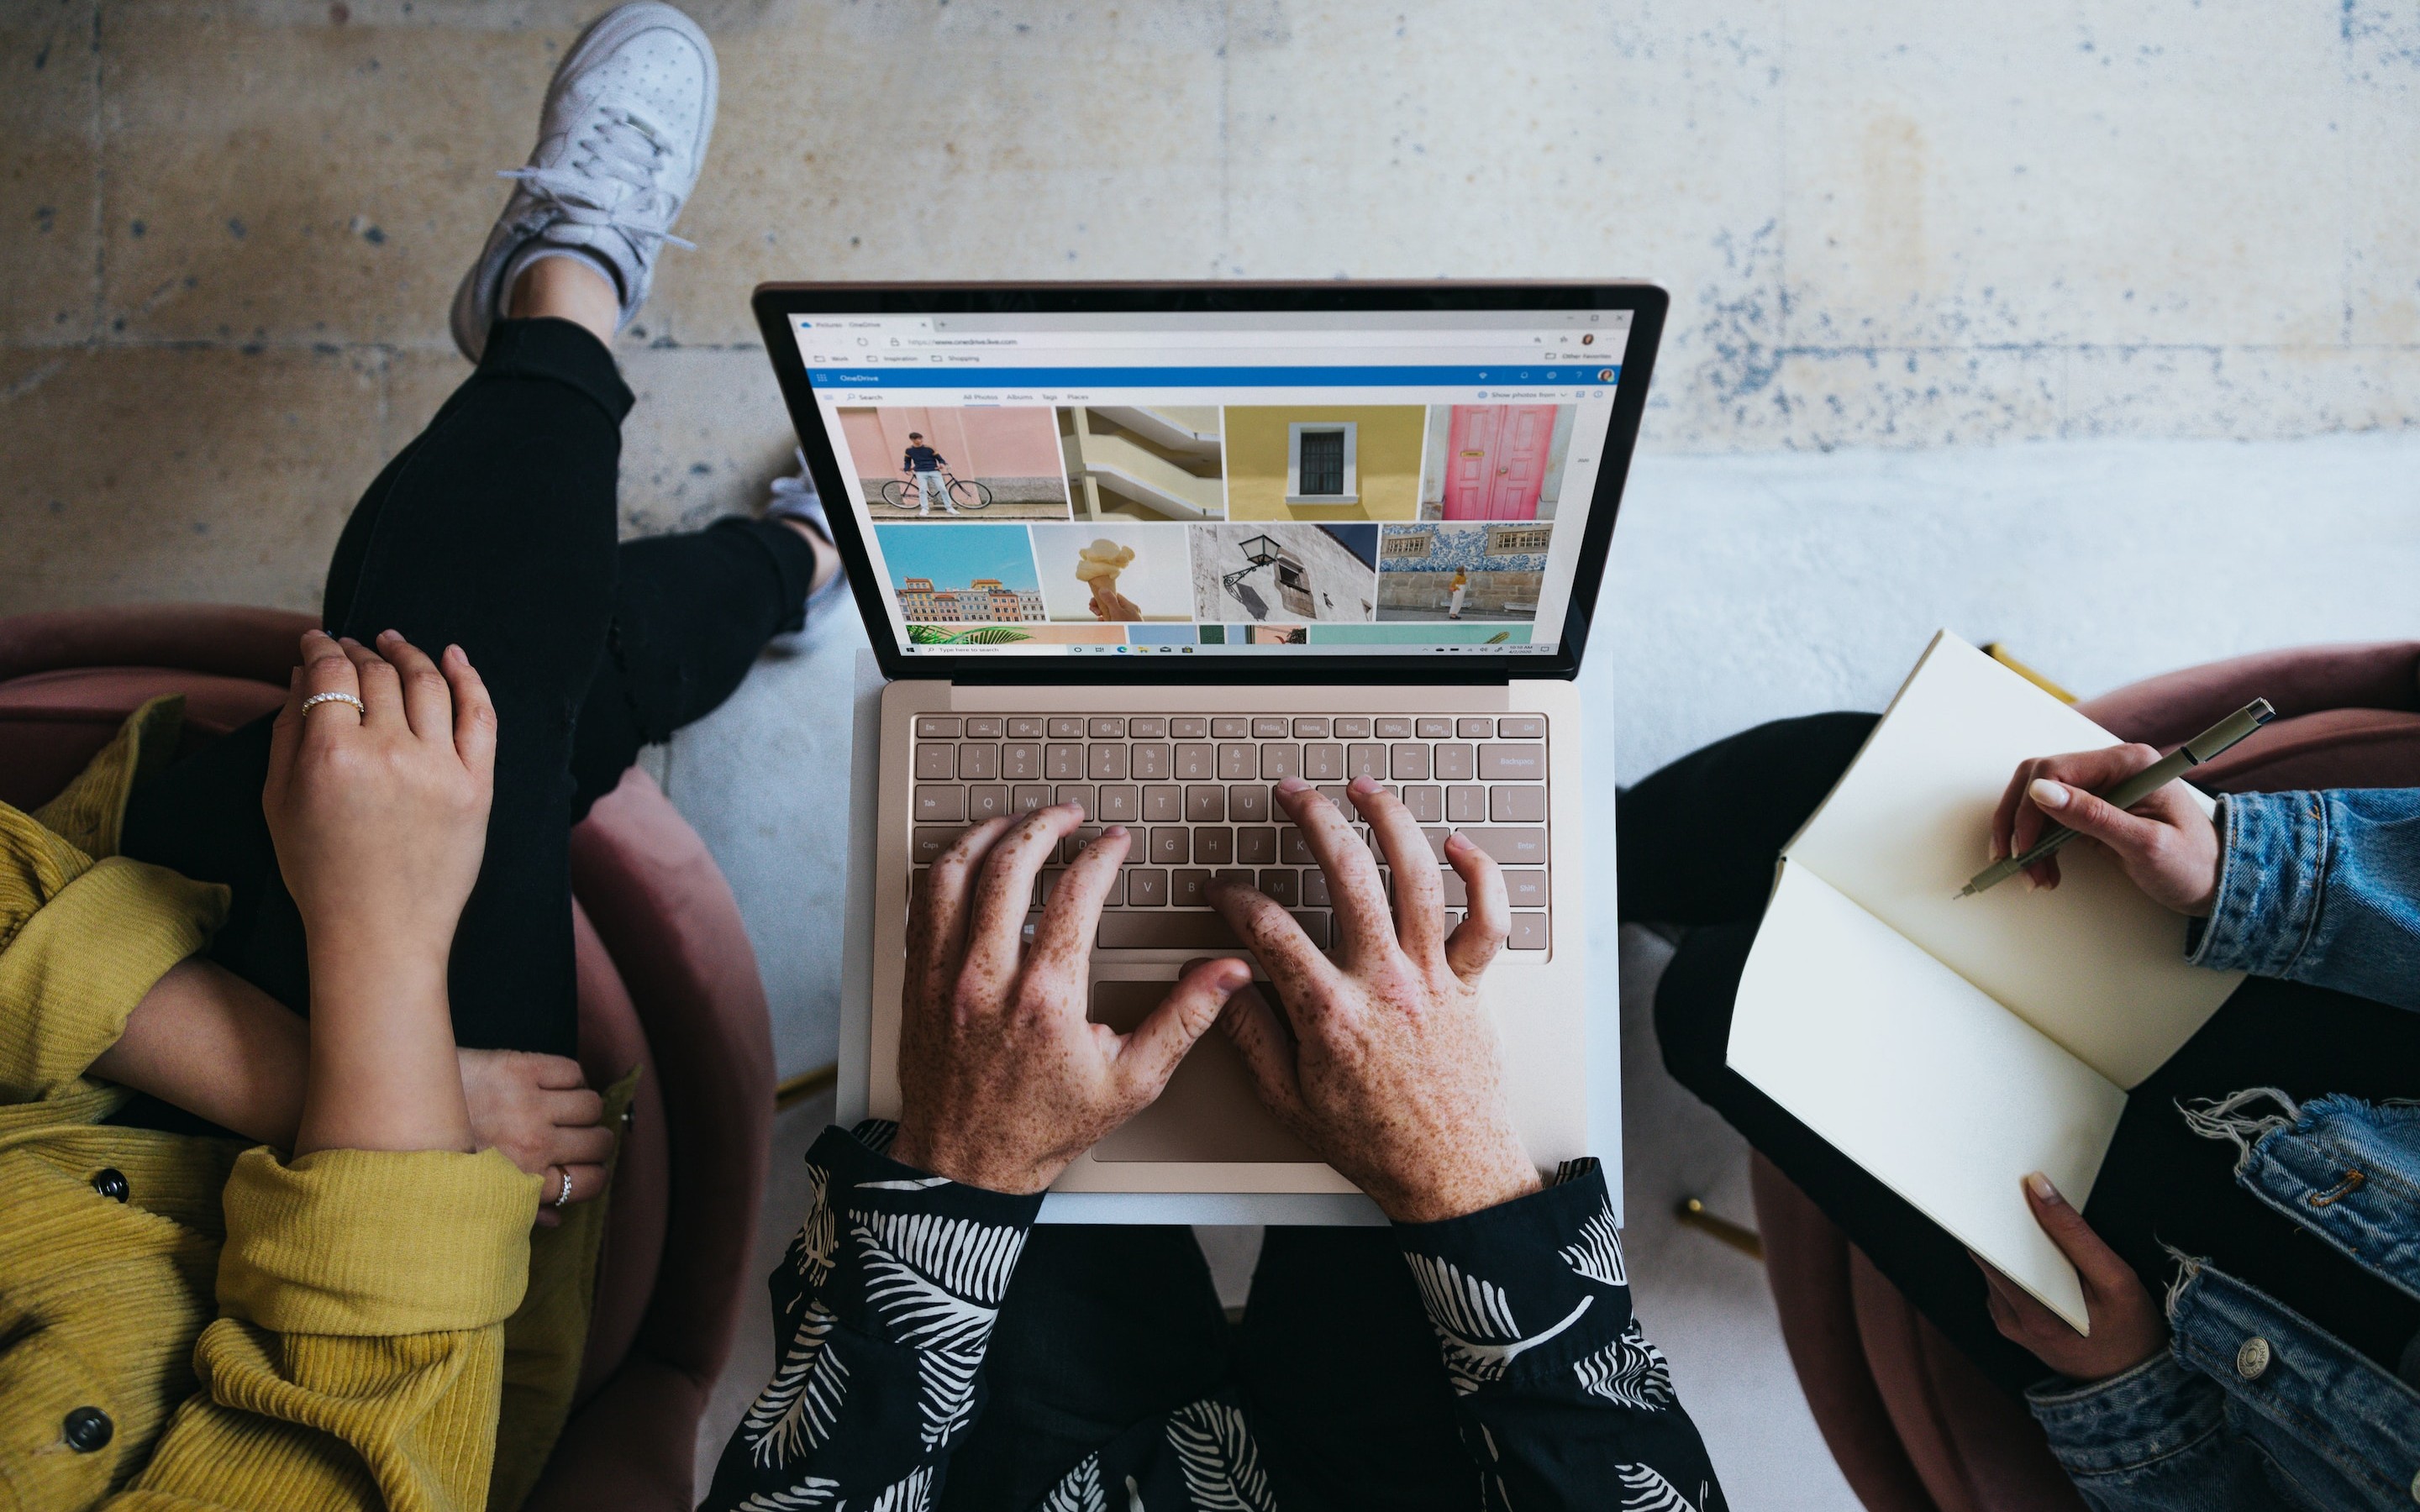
x,y
1153,549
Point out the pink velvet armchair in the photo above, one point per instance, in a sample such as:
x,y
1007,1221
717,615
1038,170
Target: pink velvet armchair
x,y
1912,1426
667,983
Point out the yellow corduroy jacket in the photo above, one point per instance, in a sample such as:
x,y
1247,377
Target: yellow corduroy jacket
x,y
187,1323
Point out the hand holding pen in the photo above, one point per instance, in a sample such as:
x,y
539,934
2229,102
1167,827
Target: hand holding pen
x,y
2127,798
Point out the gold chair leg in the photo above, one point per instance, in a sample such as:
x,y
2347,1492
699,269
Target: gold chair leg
x,y
1693,1214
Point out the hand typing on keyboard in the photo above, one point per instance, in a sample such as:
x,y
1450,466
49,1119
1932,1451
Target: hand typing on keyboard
x,y
1002,1081
1391,1069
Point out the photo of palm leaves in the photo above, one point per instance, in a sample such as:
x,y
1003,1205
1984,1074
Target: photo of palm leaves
x,y
980,635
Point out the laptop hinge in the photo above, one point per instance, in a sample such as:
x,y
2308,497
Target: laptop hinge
x,y
1309,698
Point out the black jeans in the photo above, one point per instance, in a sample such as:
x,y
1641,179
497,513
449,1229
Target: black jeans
x,y
1107,1327
1699,841
494,529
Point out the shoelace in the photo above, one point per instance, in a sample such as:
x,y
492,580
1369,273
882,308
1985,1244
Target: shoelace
x,y
796,494
621,145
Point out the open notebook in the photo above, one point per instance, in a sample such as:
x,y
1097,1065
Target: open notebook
x,y
1950,1045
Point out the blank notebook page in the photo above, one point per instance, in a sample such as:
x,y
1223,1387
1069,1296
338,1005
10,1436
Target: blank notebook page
x,y
1945,1097
2093,963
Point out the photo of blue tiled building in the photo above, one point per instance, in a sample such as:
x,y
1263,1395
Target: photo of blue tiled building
x,y
1462,572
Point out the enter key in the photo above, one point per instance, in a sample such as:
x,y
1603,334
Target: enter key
x,y
1511,846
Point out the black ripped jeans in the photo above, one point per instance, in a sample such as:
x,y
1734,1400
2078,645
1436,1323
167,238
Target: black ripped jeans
x,y
494,529
1699,842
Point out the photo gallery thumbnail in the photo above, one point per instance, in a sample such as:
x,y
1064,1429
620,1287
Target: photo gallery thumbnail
x,y
1242,524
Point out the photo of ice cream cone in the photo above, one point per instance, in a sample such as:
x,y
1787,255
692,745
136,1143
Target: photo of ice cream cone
x,y
1097,566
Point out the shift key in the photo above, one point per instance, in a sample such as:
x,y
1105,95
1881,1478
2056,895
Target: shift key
x,y
1510,847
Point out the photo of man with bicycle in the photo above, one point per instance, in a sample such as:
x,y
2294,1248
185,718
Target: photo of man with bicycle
x,y
923,467
956,462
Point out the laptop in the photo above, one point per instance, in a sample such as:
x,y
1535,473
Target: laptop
x,y
1152,548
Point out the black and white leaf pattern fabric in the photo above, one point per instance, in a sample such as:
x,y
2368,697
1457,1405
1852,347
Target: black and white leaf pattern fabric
x,y
1645,1490
1597,1253
1473,1319
799,1406
885,1309
912,1494
809,1493
936,1283
1552,1374
1080,1492
1220,1463
1629,1372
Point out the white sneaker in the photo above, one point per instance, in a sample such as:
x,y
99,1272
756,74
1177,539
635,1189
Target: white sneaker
x,y
795,498
620,143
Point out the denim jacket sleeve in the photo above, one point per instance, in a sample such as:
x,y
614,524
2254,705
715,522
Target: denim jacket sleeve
x,y
2152,1440
1564,1401
2320,887
882,1314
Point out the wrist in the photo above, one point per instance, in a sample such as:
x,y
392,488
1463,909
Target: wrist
x,y
966,1162
356,966
1459,1193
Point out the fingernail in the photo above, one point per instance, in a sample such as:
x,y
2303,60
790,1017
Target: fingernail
x,y
1457,838
1235,976
1365,783
2046,794
1113,830
1292,785
390,635
2040,1186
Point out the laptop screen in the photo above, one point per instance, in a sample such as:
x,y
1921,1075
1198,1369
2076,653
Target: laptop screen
x,y
1221,484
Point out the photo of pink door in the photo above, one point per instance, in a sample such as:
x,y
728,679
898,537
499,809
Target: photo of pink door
x,y
1496,460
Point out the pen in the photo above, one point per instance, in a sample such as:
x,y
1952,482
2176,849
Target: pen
x,y
2133,791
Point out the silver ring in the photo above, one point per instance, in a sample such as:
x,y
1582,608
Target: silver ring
x,y
359,707
565,1195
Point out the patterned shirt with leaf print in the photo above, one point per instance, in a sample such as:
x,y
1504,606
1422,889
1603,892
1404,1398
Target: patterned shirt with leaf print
x,y
884,1306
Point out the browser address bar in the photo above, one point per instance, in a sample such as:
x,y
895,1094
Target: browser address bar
x,y
1200,340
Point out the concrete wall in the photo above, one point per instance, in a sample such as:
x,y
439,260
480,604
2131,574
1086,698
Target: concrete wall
x,y
232,227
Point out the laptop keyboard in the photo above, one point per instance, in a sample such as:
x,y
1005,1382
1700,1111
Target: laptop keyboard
x,y
1194,792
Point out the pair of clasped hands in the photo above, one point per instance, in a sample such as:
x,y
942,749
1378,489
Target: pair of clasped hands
x,y
1382,1058
2170,849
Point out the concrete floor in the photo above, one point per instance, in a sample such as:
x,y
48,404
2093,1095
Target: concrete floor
x,y
229,228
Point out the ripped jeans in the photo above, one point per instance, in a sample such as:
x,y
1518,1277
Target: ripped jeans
x,y
495,529
2255,1406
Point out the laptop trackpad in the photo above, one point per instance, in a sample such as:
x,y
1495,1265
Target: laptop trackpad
x,y
1208,1112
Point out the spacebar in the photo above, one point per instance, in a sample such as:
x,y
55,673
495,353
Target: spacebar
x,y
1137,931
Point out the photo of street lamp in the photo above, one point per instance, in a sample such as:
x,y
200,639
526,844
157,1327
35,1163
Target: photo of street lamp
x,y
1258,551
1325,573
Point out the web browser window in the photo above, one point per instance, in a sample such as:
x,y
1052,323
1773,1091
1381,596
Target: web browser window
x,y
1278,484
